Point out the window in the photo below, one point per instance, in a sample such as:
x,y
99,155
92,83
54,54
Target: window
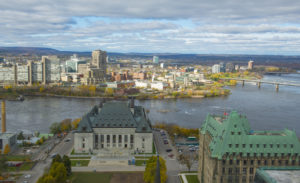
x,y
286,162
251,145
244,170
265,145
292,146
237,170
126,138
232,133
131,138
237,162
239,133
230,145
236,145
261,154
107,138
258,162
224,162
251,162
266,162
83,139
114,139
223,170
279,162
284,145
83,145
230,162
278,145
254,154
257,145
229,170
293,162
143,139
245,162
120,138
272,162
251,171
244,145
271,145
234,126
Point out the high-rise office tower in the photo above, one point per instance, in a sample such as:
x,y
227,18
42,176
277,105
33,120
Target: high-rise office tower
x,y
99,59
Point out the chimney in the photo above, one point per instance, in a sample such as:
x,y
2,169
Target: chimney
x,y
3,117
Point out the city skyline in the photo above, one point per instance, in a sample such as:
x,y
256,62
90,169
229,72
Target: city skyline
x,y
231,27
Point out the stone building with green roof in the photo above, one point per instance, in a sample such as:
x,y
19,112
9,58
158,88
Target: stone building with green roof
x,y
231,152
114,129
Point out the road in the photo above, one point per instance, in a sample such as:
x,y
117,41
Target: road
x,y
63,148
173,166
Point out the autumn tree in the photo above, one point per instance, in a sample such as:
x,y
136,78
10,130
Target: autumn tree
x,y
67,162
66,125
75,123
3,164
58,172
187,160
109,91
55,128
150,170
6,149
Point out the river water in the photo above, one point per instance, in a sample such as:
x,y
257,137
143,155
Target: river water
x,y
265,108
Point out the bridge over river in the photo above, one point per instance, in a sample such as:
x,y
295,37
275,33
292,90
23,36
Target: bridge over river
x,y
259,82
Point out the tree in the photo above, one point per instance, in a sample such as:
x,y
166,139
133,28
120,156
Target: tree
x,y
58,172
67,162
109,91
20,136
149,174
46,178
3,164
75,123
66,125
55,128
6,149
187,160
57,159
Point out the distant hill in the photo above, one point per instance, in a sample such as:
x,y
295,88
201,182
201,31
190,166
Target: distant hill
x,y
180,59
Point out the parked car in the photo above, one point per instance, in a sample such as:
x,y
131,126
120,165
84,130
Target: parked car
x,y
166,142
53,155
27,176
168,150
171,155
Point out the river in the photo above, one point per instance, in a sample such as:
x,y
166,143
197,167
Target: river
x,y
265,108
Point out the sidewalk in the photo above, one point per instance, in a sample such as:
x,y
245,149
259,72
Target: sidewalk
x,y
183,176
109,168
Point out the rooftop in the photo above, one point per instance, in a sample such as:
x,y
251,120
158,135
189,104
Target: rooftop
x,y
6,135
232,135
115,114
276,175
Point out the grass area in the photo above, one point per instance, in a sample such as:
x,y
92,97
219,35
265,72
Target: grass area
x,y
153,148
189,172
24,167
91,177
80,162
142,157
73,153
106,177
192,178
140,162
83,157
17,157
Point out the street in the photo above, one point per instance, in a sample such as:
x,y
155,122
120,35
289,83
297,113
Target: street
x,y
62,148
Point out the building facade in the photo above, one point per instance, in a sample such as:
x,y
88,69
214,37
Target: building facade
x,y
229,151
114,129
215,68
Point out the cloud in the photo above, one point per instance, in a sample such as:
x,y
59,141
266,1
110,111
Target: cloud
x,y
190,26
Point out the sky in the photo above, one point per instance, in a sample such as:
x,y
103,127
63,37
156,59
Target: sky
x,y
154,26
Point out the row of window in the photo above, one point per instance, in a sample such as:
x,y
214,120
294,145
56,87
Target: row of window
x,y
237,171
262,154
263,145
260,162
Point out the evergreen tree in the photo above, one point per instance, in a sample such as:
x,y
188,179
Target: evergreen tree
x,y
67,162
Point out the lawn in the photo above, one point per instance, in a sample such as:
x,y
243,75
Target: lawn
x,y
91,177
192,178
24,167
79,162
17,157
83,157
106,177
140,162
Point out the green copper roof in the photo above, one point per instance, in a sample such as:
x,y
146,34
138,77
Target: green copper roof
x,y
232,135
115,115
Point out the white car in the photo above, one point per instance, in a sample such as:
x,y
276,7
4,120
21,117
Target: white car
x,y
27,176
